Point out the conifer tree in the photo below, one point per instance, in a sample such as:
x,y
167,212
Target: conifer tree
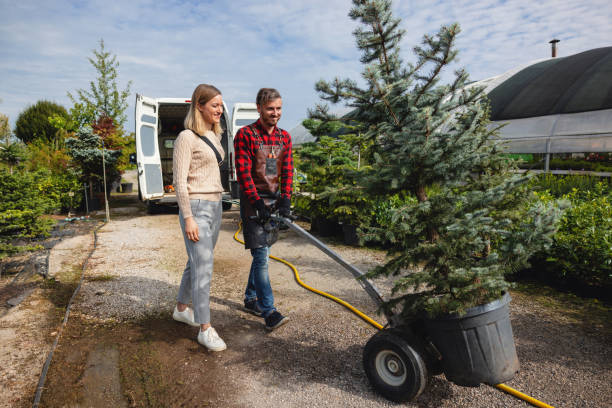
x,y
471,223
103,99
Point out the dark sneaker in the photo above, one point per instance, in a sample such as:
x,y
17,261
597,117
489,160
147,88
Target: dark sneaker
x,y
251,306
275,319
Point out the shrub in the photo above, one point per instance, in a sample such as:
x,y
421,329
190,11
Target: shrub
x,y
21,211
581,254
33,123
27,197
559,186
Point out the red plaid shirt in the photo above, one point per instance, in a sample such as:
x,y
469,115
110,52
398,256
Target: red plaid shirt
x,y
244,149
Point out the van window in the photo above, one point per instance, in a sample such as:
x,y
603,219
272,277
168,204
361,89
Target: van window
x,y
244,122
148,119
147,138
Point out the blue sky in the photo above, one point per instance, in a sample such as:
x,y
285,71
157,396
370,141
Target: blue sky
x,y
166,48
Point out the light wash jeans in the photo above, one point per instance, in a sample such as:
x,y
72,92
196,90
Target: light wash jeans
x,y
195,284
258,286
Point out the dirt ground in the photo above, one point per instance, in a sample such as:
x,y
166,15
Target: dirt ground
x,y
122,348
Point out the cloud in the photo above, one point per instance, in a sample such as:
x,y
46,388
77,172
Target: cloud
x,y
166,48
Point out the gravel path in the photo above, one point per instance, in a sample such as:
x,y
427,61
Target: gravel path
x,y
315,360
120,335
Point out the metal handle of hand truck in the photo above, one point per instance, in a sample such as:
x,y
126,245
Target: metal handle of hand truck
x,y
368,286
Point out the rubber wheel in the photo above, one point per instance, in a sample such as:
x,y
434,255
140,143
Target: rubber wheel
x,y
152,207
395,369
226,205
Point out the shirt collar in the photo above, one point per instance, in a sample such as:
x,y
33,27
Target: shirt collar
x,y
263,130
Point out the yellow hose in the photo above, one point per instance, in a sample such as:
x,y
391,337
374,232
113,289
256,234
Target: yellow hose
x,y
522,396
374,323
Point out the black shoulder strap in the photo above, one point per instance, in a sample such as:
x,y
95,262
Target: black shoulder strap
x,y
212,146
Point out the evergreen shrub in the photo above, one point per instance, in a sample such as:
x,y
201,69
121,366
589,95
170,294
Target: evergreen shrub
x,y
581,253
27,198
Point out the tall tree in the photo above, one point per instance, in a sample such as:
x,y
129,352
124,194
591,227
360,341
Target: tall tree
x,y
103,99
449,251
34,123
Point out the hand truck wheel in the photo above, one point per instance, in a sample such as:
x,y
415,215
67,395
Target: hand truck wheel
x,y
395,369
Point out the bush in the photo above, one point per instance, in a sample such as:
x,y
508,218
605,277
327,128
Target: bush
x,y
560,186
581,254
27,196
33,123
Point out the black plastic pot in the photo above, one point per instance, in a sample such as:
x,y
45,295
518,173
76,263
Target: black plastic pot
x,y
477,347
325,227
127,187
349,233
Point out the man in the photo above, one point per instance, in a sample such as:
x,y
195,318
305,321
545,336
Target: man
x,y
264,166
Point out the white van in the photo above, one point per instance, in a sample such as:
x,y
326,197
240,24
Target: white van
x,y
158,123
242,115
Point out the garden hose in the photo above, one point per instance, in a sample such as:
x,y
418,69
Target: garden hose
x,y
43,375
377,325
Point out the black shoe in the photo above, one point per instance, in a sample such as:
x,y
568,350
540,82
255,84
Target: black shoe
x,y
251,306
275,319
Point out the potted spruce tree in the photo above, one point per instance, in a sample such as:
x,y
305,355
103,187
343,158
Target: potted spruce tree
x,y
470,224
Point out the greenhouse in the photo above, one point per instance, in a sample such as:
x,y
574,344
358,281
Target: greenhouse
x,y
557,105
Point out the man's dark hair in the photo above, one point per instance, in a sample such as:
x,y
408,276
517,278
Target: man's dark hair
x,y
266,95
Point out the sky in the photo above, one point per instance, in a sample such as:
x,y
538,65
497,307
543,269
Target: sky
x,y
166,48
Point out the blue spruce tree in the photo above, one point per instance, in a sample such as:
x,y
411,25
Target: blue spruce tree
x,y
472,222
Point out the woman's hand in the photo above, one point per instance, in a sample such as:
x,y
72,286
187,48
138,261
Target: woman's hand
x,y
191,229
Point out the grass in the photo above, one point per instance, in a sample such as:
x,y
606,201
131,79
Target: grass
x,y
101,278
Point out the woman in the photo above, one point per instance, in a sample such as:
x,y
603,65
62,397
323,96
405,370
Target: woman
x,y
197,183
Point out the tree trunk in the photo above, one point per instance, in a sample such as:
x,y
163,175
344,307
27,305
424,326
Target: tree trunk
x,y
432,233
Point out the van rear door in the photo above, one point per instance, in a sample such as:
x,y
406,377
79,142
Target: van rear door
x,y
243,114
147,151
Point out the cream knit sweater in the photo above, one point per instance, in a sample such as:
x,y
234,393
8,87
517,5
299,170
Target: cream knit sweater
x,y
195,169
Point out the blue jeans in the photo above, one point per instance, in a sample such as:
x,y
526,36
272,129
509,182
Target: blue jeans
x,y
258,286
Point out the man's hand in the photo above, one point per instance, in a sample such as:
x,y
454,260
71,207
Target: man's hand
x,y
284,207
263,212
191,230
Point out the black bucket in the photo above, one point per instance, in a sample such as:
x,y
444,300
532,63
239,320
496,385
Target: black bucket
x,y
477,347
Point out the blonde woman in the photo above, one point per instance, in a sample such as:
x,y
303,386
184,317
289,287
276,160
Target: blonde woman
x,y
197,182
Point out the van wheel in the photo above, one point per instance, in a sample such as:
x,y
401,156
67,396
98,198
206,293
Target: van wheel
x,y
226,205
152,207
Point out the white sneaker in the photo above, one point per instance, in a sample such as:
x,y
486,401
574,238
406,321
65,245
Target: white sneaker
x,y
186,316
211,340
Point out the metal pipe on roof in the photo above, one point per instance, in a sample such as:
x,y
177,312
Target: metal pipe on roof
x,y
553,44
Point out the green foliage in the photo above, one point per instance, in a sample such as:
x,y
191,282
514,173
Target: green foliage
x,y
319,128
559,186
581,253
128,147
85,149
103,97
451,248
27,196
11,154
34,124
42,156
325,163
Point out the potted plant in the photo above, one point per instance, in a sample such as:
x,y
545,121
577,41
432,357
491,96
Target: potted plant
x,y
352,208
324,163
471,222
